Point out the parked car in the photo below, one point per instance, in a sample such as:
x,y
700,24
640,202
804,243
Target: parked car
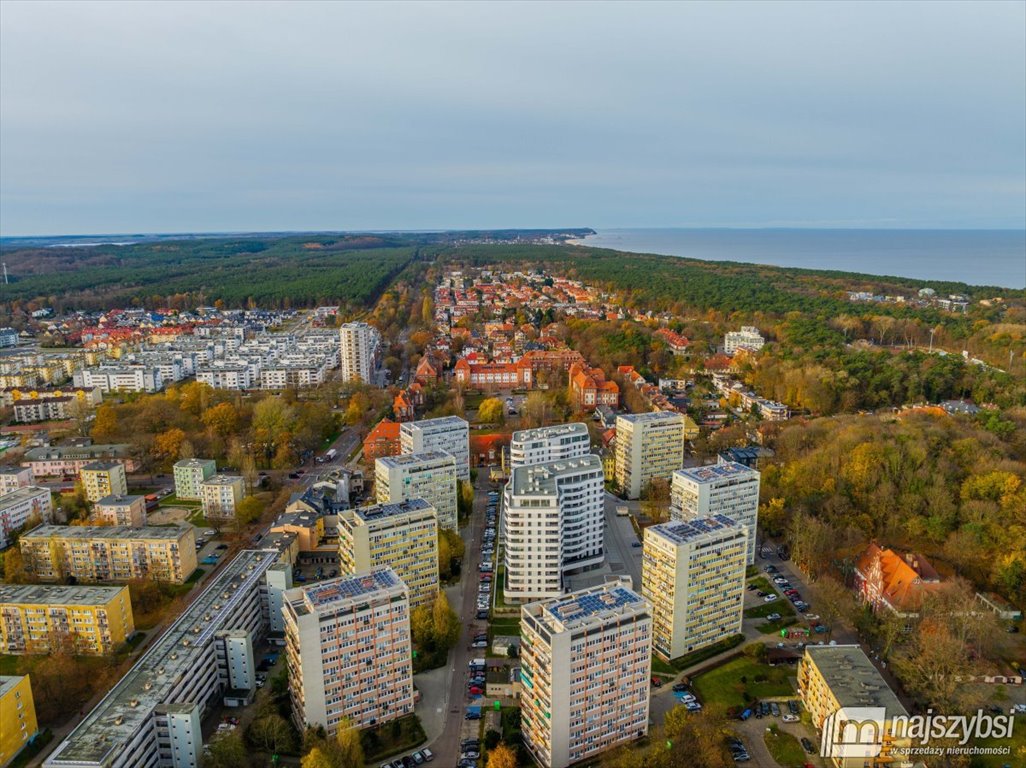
x,y
807,746
792,706
775,709
428,755
769,598
789,718
773,617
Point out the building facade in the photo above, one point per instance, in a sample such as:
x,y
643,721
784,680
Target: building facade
x,y
649,446
360,345
104,478
727,488
348,652
747,338
20,506
68,460
105,553
13,478
403,536
585,663
189,477
121,510
152,716
35,618
430,475
448,433
555,443
17,716
552,525
221,495
693,573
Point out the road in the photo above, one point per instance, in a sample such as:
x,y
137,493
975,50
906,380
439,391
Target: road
x,y
446,746
621,554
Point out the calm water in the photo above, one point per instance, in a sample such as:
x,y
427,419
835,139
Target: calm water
x,y
977,257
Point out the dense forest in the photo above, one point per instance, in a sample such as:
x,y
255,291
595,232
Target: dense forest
x,y
277,273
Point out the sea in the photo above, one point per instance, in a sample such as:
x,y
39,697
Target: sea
x,y
985,257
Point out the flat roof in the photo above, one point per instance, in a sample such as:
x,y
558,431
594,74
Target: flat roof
x,y
119,500
711,473
544,433
58,594
194,463
374,512
684,531
148,684
330,595
14,470
20,494
7,683
577,609
419,457
55,452
441,424
101,466
853,679
634,418
106,532
222,480
542,478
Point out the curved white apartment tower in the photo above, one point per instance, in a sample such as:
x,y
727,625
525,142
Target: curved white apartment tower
x,y
555,443
552,523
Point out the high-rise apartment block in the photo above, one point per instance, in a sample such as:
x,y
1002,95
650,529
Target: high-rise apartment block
x,y
93,620
747,338
221,495
649,446
189,476
109,553
348,650
552,524
359,354
430,475
403,536
153,715
585,663
555,443
17,716
120,510
727,488
104,478
20,506
693,573
448,433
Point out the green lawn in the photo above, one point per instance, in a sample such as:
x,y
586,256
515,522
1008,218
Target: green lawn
x,y
784,747
392,738
695,657
1017,743
774,627
660,667
724,683
783,607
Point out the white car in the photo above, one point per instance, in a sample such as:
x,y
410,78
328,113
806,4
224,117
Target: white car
x,y
789,718
770,598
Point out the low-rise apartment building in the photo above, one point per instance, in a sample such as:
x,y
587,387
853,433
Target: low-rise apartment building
x,y
109,553
836,677
68,460
153,715
13,478
120,510
403,536
120,378
348,652
448,433
693,573
726,488
555,443
104,478
221,495
585,663
649,446
17,716
39,618
430,475
552,525
20,506
747,338
189,477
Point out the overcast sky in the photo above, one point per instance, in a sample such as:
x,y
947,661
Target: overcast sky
x,y
188,116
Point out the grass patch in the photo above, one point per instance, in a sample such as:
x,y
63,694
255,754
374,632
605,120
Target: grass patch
x,y
196,518
135,639
660,667
783,607
34,747
1017,755
784,747
8,665
696,657
391,738
196,575
774,627
761,582
741,681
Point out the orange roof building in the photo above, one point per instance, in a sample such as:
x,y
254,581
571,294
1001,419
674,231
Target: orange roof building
x,y
589,388
381,441
886,579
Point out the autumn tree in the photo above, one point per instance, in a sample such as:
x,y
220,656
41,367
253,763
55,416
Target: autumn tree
x,y
348,748
271,733
318,758
167,446
248,510
491,411
502,757
106,426
221,419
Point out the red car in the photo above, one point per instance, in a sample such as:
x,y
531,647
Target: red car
x,y
475,691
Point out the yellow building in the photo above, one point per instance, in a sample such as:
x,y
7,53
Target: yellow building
x,y
17,716
91,620
104,478
649,446
109,553
836,677
403,536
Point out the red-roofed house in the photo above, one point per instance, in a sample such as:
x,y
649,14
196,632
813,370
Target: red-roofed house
x,y
886,579
678,344
383,440
589,388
